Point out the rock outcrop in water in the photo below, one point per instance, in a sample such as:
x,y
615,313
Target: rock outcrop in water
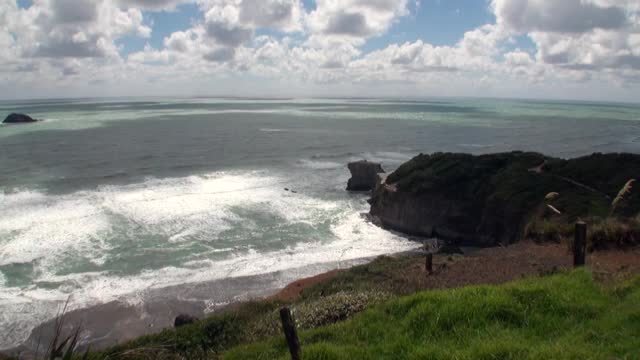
x,y
18,119
489,199
365,175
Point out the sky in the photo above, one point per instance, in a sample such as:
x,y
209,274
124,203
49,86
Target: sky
x,y
552,49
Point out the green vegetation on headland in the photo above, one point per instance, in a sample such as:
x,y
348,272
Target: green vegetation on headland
x,y
565,316
492,199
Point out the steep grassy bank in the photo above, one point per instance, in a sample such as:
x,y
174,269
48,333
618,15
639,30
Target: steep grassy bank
x,y
564,316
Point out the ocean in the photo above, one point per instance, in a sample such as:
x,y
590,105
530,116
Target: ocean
x,y
118,199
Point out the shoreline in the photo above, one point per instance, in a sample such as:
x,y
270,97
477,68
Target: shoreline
x,y
154,310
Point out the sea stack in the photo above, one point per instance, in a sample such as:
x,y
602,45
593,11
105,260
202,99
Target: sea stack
x,y
364,175
18,119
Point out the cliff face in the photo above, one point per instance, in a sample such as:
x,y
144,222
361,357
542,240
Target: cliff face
x,y
489,199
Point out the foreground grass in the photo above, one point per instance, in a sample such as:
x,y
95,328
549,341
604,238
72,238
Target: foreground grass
x,y
564,316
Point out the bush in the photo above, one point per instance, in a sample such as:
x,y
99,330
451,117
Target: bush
x,y
602,234
324,311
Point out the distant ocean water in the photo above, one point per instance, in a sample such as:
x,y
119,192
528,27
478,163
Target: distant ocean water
x,y
107,198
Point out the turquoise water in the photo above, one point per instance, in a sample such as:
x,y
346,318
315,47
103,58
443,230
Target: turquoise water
x,y
108,198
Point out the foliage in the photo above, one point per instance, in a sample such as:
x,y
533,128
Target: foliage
x,y
384,274
602,233
324,310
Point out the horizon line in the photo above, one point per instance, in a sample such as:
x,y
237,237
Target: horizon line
x,y
298,98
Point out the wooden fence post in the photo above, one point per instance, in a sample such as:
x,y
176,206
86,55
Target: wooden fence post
x,y
289,328
580,244
429,264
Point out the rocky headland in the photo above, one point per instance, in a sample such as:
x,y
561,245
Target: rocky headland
x,y
497,199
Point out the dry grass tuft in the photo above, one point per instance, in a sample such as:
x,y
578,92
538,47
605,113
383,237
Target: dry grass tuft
x,y
626,189
551,196
554,209
61,347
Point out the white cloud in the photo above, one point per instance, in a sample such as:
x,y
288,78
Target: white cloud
x,y
283,15
223,26
73,28
154,5
74,41
565,16
232,23
483,41
358,19
577,38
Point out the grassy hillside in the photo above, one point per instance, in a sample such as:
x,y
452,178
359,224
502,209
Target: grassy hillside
x,y
587,184
565,316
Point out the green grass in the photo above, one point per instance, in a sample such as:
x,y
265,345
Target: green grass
x,y
565,316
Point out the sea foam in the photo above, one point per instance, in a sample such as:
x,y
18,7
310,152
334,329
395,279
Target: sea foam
x,y
118,242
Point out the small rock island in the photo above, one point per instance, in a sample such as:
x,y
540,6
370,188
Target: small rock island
x,y
16,118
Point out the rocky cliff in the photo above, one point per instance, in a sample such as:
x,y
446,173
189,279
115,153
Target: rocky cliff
x,y
489,199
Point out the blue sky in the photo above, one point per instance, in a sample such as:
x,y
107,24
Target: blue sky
x,y
582,49
164,24
439,22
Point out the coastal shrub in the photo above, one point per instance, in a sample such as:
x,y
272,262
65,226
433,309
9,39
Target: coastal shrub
x,y
614,233
384,274
565,316
602,233
545,230
334,308
323,311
